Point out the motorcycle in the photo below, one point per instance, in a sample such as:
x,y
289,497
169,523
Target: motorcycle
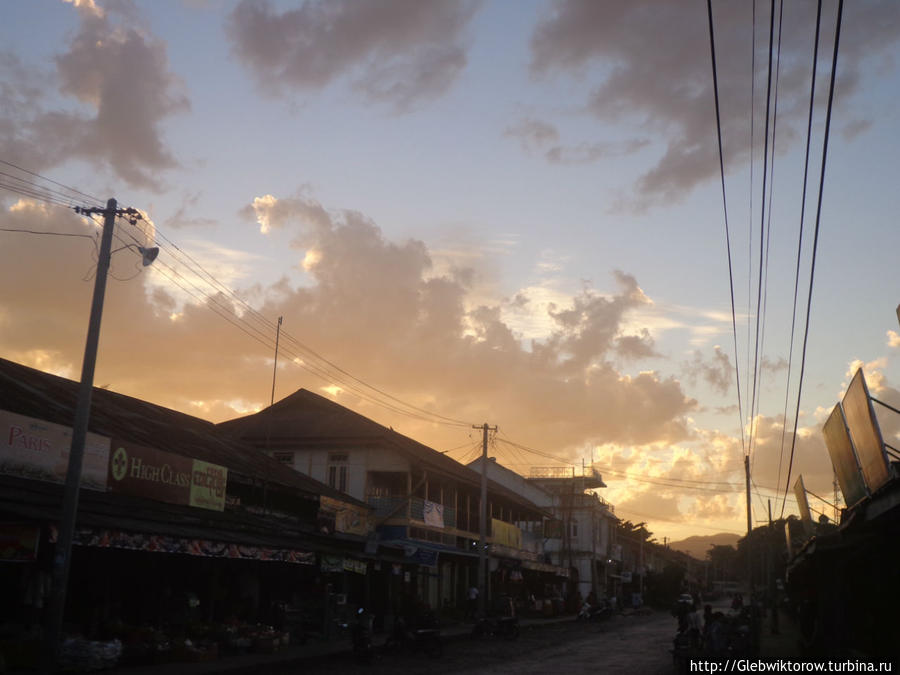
x,y
596,612
424,636
505,625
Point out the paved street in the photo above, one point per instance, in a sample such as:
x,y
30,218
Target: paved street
x,y
623,644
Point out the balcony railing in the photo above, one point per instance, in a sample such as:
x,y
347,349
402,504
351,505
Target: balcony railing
x,y
413,508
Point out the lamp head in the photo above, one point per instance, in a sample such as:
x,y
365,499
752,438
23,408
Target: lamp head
x,y
148,255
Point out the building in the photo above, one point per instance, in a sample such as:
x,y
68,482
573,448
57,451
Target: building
x,y
177,524
426,504
588,523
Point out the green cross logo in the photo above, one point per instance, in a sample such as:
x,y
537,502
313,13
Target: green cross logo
x,y
119,464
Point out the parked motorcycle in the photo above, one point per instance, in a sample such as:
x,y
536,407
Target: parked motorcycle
x,y
505,624
424,636
596,612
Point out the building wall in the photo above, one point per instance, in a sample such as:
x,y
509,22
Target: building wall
x,y
315,464
516,483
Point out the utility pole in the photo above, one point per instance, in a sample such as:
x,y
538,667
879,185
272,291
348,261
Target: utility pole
x,y
834,485
63,549
482,519
749,525
773,591
275,366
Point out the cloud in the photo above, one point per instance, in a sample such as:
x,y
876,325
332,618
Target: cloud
x,y
717,373
533,134
118,82
375,306
398,52
717,507
668,89
539,136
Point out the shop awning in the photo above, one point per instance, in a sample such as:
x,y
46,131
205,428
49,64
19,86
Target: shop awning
x,y
205,548
545,567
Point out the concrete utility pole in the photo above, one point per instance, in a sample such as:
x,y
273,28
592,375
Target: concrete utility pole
x,y
749,525
62,556
482,520
275,366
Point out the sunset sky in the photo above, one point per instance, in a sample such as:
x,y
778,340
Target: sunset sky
x,y
503,212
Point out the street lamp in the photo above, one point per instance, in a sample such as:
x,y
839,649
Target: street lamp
x,y
62,555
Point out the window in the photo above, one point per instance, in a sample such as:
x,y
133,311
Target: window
x,y
337,470
284,457
573,528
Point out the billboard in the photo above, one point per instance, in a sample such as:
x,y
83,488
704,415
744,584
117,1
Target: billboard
x,y
39,450
803,505
864,431
843,457
166,477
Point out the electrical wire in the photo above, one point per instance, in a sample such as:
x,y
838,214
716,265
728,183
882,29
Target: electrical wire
x,y
812,271
712,46
768,238
95,200
753,420
812,96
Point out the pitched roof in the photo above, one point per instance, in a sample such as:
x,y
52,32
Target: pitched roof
x,y
307,420
33,393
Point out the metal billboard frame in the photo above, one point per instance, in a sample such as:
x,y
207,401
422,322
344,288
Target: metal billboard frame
x,y
865,433
843,457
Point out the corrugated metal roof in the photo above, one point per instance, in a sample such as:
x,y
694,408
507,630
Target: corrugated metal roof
x,y
30,392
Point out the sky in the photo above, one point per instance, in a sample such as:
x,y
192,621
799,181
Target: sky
x,y
472,212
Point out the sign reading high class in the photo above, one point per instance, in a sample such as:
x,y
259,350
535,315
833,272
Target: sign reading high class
x,y
33,448
146,472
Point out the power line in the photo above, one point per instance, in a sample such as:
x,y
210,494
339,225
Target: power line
x,y
34,190
812,96
812,271
712,46
44,232
91,198
761,231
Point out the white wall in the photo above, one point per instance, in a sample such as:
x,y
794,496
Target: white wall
x,y
314,463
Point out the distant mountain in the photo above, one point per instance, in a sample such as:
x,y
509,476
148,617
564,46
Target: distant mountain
x,y
698,546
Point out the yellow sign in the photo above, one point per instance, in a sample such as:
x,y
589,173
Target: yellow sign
x,y
208,483
506,534
348,518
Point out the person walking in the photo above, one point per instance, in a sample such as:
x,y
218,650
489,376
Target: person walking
x,y
472,609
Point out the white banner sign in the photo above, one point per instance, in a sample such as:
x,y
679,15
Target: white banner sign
x,y
32,448
434,514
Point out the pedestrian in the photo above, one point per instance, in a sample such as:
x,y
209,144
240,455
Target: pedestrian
x,y
472,609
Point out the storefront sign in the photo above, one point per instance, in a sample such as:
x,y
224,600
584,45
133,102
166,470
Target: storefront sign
x,y
506,534
420,556
146,472
357,566
32,448
208,485
348,518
